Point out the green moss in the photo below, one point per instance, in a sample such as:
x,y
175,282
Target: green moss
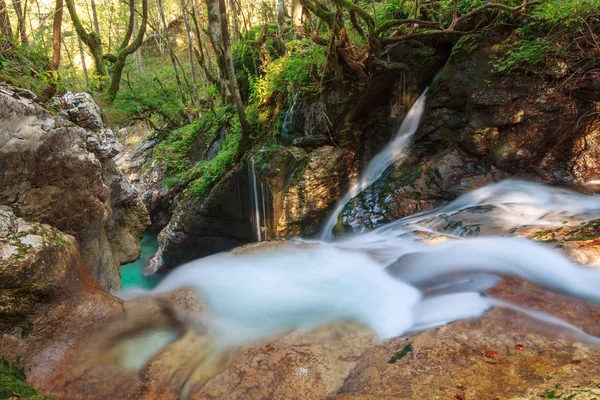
x,y
12,383
588,232
401,354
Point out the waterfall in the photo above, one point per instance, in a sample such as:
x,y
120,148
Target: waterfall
x,y
396,150
260,199
288,120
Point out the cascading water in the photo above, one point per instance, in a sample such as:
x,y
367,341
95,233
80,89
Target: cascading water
x,y
390,279
288,121
260,202
395,151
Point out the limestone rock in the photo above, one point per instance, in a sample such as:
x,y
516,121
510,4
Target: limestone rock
x,y
56,173
47,295
79,108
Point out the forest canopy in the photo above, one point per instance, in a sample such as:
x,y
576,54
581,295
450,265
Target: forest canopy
x,y
184,66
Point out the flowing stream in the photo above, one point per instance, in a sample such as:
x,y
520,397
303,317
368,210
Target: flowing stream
x,y
260,203
422,271
392,280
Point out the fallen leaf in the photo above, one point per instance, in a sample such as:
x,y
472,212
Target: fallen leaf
x,y
491,354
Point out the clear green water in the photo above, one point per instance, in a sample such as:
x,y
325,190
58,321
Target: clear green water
x,y
132,274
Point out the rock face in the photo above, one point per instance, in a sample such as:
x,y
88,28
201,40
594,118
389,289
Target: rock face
x,y
48,296
305,186
54,172
208,225
479,126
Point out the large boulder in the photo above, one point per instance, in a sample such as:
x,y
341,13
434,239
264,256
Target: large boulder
x,y
48,297
54,172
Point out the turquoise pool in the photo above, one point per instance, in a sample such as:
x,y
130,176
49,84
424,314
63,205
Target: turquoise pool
x,y
132,274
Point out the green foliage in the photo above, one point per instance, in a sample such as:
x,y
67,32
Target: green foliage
x,y
298,70
525,53
26,68
566,12
153,94
247,51
205,173
174,150
393,9
12,381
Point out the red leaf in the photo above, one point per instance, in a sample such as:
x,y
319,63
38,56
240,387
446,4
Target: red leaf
x,y
491,354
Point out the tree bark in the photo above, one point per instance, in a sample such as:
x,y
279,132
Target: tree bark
x,y
127,48
200,51
139,61
281,15
233,84
95,17
214,33
91,40
83,64
297,23
21,22
234,20
56,38
5,27
165,36
190,47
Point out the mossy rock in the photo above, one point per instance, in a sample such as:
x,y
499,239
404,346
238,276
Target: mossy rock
x,y
12,384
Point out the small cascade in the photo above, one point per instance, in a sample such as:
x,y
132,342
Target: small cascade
x,y
395,151
260,198
285,139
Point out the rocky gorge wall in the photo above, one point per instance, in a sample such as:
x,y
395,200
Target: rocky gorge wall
x,y
60,174
481,125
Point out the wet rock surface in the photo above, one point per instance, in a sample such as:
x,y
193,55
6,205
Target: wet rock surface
x,y
48,296
479,126
54,172
504,355
305,186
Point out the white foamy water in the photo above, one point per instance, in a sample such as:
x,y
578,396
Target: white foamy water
x,y
389,279
395,151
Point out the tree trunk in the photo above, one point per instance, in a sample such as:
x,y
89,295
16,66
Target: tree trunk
x,y
215,32
297,22
234,20
56,38
139,62
95,17
91,40
233,84
83,65
200,51
281,15
190,47
5,27
127,48
167,41
21,21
